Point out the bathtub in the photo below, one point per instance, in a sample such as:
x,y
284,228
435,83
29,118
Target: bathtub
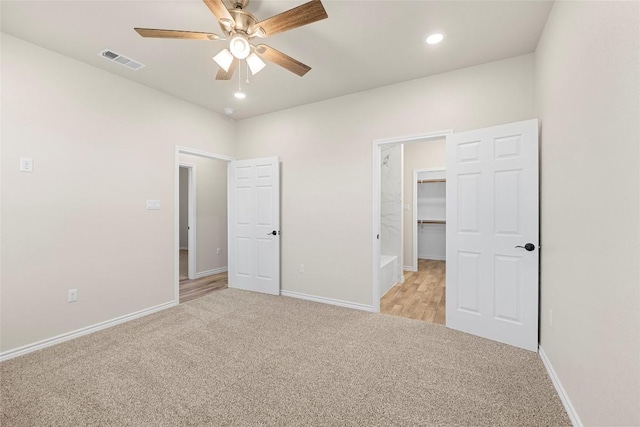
x,y
388,273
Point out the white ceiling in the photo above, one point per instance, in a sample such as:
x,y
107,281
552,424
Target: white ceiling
x,y
362,45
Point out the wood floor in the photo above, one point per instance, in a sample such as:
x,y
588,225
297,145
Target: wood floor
x,y
192,289
184,264
421,296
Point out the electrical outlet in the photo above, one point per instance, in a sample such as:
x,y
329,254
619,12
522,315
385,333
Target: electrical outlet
x,y
26,164
301,269
551,317
218,251
72,295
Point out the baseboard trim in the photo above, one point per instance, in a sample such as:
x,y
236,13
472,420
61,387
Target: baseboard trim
x,y
30,348
409,268
564,397
211,272
331,301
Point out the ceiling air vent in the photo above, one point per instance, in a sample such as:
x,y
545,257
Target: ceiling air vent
x,y
120,59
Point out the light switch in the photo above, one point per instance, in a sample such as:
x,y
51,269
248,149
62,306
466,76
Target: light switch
x,y
26,164
153,205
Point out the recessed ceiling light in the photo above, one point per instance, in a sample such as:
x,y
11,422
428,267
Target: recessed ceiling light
x,y
435,38
228,111
240,95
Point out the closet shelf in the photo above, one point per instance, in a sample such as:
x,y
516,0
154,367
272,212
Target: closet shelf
x,y
431,221
427,181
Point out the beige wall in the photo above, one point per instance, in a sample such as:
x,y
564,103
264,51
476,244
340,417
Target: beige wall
x,y
101,146
326,154
588,86
211,212
418,155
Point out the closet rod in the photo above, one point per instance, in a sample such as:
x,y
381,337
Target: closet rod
x,y
426,181
431,221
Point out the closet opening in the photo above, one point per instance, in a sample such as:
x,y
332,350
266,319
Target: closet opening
x,y
412,212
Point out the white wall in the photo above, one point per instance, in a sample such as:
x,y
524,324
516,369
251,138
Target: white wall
x,y
588,86
184,208
101,146
326,154
418,155
211,212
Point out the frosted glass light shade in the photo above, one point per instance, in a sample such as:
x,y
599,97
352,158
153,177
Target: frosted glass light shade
x,y
224,59
255,63
239,46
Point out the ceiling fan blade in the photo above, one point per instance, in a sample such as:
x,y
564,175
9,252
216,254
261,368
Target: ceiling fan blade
x,y
285,61
293,18
221,12
176,34
226,75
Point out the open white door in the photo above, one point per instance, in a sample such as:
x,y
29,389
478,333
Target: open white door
x,y
254,225
492,214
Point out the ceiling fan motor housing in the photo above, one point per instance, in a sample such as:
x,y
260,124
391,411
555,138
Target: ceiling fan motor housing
x,y
245,22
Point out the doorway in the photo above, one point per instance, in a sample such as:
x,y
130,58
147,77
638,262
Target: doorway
x,y
413,213
186,213
201,240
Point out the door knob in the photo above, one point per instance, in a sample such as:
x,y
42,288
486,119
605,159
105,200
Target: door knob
x,y
273,233
529,247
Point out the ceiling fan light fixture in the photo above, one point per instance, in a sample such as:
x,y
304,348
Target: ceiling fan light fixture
x,y
239,45
224,59
435,38
255,63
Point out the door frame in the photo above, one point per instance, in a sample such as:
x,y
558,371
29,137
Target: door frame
x,y
415,211
176,210
191,219
375,210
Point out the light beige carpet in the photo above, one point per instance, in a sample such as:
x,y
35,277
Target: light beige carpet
x,y
241,358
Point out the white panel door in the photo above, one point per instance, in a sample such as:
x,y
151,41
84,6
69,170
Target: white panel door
x,y
254,225
492,214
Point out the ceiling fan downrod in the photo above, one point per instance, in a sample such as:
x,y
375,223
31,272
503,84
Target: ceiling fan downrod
x,y
240,4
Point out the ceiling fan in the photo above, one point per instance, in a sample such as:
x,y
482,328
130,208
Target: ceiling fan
x,y
240,27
